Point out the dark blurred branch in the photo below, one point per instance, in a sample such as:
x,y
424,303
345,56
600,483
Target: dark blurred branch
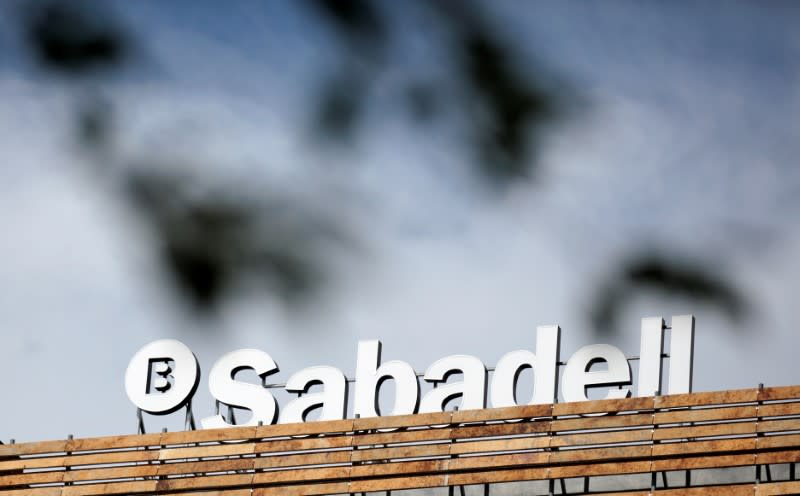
x,y
668,275
212,242
208,243
359,22
73,38
509,109
505,107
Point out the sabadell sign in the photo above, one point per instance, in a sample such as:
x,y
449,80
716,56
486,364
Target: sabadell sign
x,y
163,376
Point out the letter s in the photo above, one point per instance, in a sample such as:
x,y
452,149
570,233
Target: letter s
x,y
227,390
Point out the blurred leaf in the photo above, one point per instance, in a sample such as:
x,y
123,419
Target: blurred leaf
x,y
213,241
294,276
95,123
200,275
503,109
672,276
357,20
423,102
339,108
514,107
509,103
70,37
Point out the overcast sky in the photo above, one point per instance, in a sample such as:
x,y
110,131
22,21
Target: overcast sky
x,y
688,143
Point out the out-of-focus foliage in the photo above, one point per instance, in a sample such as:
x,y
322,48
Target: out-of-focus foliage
x,y
213,240
669,275
209,243
503,108
71,37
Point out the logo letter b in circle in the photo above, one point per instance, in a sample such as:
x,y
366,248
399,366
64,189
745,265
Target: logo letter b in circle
x,y
162,376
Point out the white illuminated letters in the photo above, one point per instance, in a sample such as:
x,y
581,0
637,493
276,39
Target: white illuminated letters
x,y
578,376
543,363
167,366
332,400
370,374
227,390
681,346
681,349
163,376
650,349
471,390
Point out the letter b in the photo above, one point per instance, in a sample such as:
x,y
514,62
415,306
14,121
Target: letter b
x,y
370,374
153,359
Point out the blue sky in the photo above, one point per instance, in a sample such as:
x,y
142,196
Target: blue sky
x,y
688,142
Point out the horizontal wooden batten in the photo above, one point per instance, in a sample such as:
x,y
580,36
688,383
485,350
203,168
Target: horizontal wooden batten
x,y
538,442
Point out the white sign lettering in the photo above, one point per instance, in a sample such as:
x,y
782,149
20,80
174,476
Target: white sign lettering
x,y
162,377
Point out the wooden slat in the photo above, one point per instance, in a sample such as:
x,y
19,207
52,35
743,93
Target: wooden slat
x,y
37,448
779,425
16,464
397,483
729,490
726,429
205,467
227,492
135,487
110,473
500,461
398,468
304,490
508,413
207,451
597,469
498,476
688,463
780,441
602,422
305,428
608,437
512,444
504,429
778,409
402,437
303,459
213,481
31,478
680,416
311,443
301,475
604,406
207,435
115,442
76,460
790,456
775,488
401,452
634,435
626,493
583,455
39,491
709,447
711,398
779,393
396,421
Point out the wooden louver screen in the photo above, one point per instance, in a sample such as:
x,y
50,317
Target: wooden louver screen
x,y
740,428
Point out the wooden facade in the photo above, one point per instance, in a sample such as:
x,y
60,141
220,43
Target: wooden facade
x,y
756,428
